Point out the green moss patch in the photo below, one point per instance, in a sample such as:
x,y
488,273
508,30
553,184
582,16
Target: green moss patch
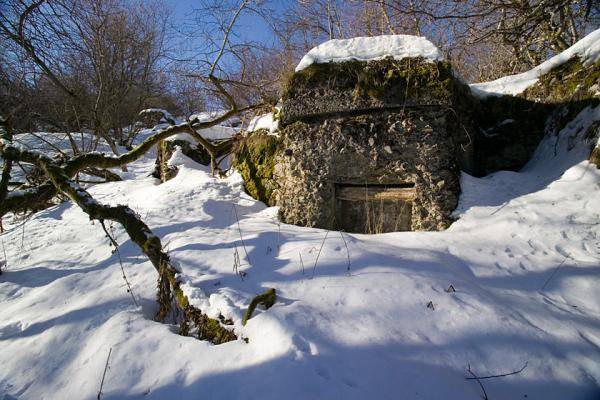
x,y
267,299
570,81
254,157
387,80
595,157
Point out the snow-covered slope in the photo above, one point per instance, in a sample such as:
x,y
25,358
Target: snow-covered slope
x,y
587,49
524,260
56,144
371,48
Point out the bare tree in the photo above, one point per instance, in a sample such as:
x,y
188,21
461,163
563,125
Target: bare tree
x,y
96,61
58,179
486,38
517,34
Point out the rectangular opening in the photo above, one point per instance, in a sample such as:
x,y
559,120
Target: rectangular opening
x,y
374,208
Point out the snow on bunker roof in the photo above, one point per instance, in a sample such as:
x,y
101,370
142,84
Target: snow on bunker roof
x,y
371,48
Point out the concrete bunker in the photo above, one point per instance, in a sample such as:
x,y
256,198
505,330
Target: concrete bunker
x,y
368,146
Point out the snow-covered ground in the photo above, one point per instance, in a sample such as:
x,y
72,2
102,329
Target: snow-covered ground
x,y
55,145
357,316
524,258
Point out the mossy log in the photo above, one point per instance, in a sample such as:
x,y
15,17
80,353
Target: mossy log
x,y
105,174
267,299
171,299
33,199
162,169
39,197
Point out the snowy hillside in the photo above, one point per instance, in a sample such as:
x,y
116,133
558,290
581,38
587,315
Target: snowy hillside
x,y
523,259
587,49
510,293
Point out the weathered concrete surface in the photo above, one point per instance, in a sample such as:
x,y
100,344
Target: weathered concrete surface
x,y
387,148
357,86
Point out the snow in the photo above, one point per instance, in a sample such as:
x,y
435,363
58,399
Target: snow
x,y
166,115
371,48
524,258
54,144
206,115
217,132
587,49
264,121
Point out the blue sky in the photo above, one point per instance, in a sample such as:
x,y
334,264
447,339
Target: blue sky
x,y
248,24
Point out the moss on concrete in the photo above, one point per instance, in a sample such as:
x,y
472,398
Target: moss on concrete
x,y
570,81
254,158
377,79
511,127
358,86
411,77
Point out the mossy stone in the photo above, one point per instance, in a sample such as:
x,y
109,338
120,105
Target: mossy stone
x,y
358,86
254,157
570,81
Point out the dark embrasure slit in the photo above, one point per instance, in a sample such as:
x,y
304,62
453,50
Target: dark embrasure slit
x,y
374,208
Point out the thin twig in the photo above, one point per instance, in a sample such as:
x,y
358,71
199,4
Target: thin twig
x,y
237,264
319,253
499,375
554,273
104,374
116,245
5,264
462,126
485,397
241,237
500,208
25,219
347,251
278,237
226,37
301,262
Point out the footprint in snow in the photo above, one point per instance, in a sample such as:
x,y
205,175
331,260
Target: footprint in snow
x,y
323,372
300,343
